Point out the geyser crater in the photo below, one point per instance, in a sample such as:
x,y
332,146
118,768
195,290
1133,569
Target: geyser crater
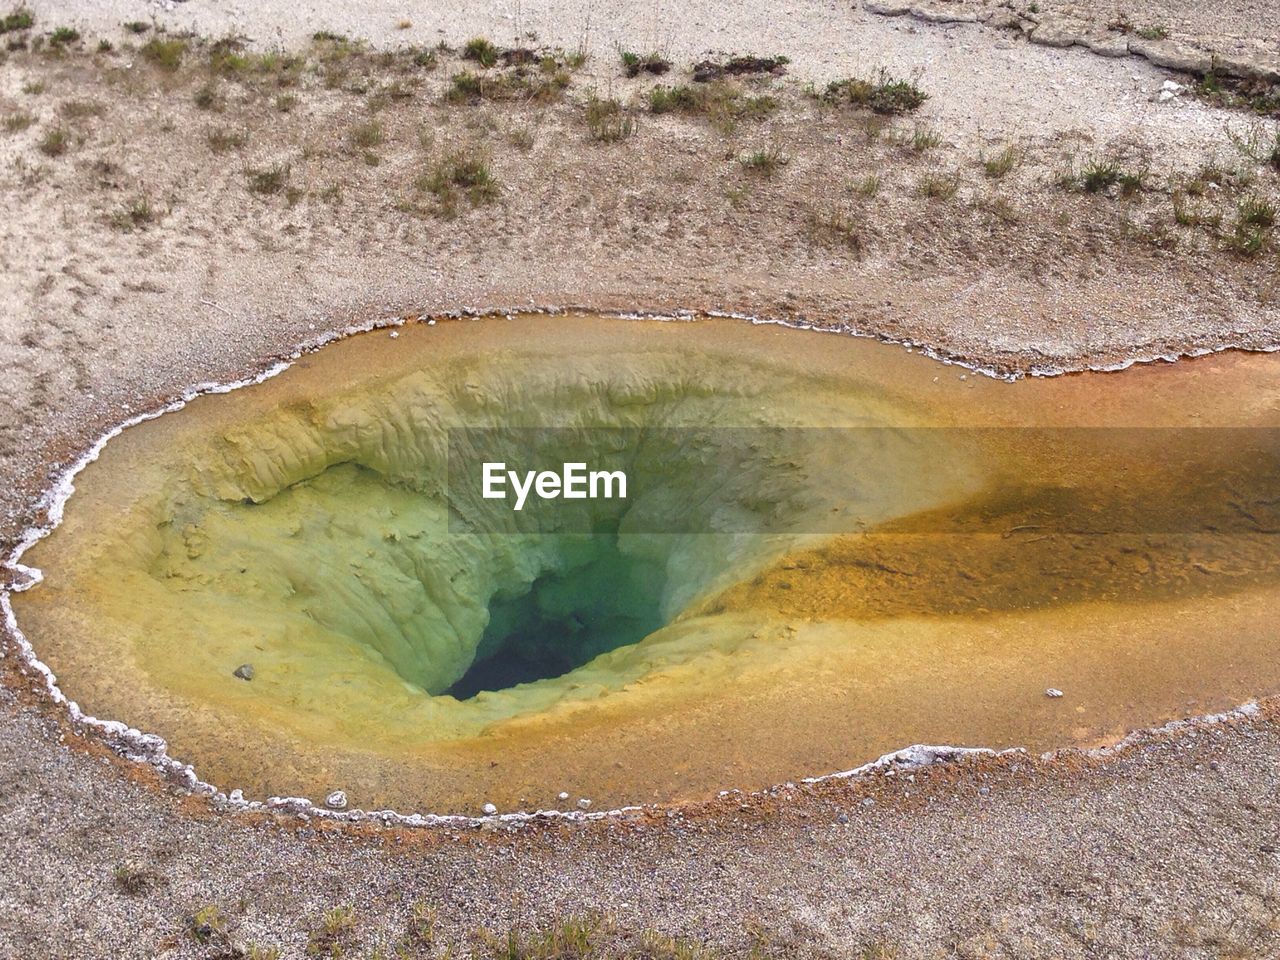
x,y
816,564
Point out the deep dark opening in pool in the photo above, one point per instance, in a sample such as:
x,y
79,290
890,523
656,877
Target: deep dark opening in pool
x,y
595,599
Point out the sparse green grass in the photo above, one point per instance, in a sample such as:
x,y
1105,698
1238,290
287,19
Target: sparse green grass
x,y
136,215
521,137
585,938
54,142
286,102
367,135
34,87
166,54
1098,175
18,121
884,94
837,227
520,84
1255,218
266,181
868,186
20,18
81,109
671,99
997,166
938,186
136,26
335,933
607,121
1255,211
64,36
1154,31
424,58
482,51
134,879
207,97
207,925
634,64
765,162
720,102
922,139
222,139
460,174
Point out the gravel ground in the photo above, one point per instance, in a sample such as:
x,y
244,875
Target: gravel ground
x,y
1165,849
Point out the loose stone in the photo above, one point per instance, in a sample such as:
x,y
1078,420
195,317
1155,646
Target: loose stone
x,y
337,800
244,671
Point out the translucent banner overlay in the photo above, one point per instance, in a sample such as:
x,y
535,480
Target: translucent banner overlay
x,y
1021,482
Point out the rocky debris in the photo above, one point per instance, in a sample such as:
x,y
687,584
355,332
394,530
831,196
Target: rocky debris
x,y
1172,55
1169,90
708,70
1062,31
488,809
1053,693
584,804
1054,33
562,795
337,800
244,671
1107,45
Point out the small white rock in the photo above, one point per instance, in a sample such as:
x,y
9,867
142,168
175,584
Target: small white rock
x,y
584,803
562,795
336,800
394,334
1053,693
489,809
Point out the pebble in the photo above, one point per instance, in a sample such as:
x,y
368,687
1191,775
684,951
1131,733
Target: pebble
x,y
584,803
337,800
395,334
244,671
868,802
1053,693
489,809
562,796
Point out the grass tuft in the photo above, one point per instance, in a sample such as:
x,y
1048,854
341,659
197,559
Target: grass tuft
x,y
20,18
460,175
939,186
481,50
998,166
336,931
222,139
884,94
268,180
607,121
634,64
18,121
765,162
165,54
134,879
54,142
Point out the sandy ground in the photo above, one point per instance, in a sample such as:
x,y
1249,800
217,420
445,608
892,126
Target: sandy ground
x,y
1153,853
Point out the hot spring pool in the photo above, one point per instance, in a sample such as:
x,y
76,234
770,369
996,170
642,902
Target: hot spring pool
x,y
830,548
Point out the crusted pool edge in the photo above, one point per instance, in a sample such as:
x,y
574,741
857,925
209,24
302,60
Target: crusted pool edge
x,y
152,750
